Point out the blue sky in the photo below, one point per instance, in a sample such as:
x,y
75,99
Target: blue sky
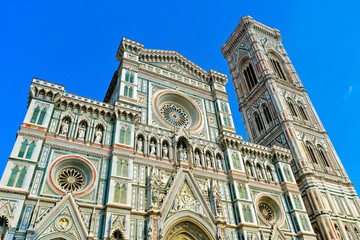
x,y
73,43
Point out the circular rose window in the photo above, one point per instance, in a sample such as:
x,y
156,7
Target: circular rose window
x,y
72,174
177,110
269,209
71,179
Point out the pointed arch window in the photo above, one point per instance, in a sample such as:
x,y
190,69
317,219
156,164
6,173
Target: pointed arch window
x,y
291,107
287,174
23,148
258,122
349,234
122,135
242,191
30,150
117,193
302,112
323,157
123,194
35,115
247,214
126,90
127,137
41,117
21,177
122,168
267,114
276,66
131,78
250,77
311,154
235,160
130,92
127,77
13,176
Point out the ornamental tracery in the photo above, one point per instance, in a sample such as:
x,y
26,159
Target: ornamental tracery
x,y
175,115
71,179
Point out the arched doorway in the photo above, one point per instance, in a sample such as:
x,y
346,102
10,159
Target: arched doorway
x,y
117,235
187,230
4,225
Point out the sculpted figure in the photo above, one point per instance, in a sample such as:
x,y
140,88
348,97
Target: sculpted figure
x,y
98,137
208,161
165,151
65,128
197,159
259,172
140,145
152,149
182,154
82,130
270,174
219,164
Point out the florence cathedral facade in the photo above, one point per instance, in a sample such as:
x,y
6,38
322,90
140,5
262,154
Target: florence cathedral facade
x,y
159,157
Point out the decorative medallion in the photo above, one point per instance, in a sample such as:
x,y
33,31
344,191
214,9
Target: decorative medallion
x,y
63,223
71,179
175,67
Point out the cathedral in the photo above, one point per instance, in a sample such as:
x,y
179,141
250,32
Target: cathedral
x,y
159,157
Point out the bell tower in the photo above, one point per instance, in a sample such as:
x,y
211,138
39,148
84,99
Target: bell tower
x,y
277,110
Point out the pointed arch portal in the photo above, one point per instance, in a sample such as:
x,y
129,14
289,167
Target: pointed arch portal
x,y
187,229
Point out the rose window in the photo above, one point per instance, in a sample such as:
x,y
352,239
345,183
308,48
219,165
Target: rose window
x,y
71,179
175,115
266,211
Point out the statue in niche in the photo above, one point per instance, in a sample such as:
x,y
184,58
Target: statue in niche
x,y
165,151
98,136
197,159
64,128
208,160
182,153
82,131
219,163
248,170
270,174
152,149
140,145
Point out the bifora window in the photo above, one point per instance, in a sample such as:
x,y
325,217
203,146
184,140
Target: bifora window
x,y
277,69
250,77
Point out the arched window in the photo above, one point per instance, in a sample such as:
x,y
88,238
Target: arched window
x,y
242,191
117,193
357,233
250,77
267,114
291,107
323,156
297,202
122,168
126,90
302,112
30,150
127,137
338,233
23,148
247,214
235,160
222,107
127,77
311,154
132,78
123,194
122,135
21,177
13,176
130,92
348,233
287,174
276,66
35,115
258,122
41,118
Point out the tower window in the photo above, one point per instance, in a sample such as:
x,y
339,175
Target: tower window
x,y
250,77
312,154
277,69
258,121
323,157
267,114
35,115
302,112
292,109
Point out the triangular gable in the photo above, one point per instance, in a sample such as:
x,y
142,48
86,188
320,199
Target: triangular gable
x,y
277,234
185,195
7,211
64,219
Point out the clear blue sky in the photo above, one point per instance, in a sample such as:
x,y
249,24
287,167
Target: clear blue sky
x,y
73,43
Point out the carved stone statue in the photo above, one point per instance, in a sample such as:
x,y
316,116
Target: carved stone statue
x,y
208,161
152,149
64,128
259,172
219,163
248,170
217,199
98,136
82,131
182,154
165,151
154,185
271,178
140,146
197,159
